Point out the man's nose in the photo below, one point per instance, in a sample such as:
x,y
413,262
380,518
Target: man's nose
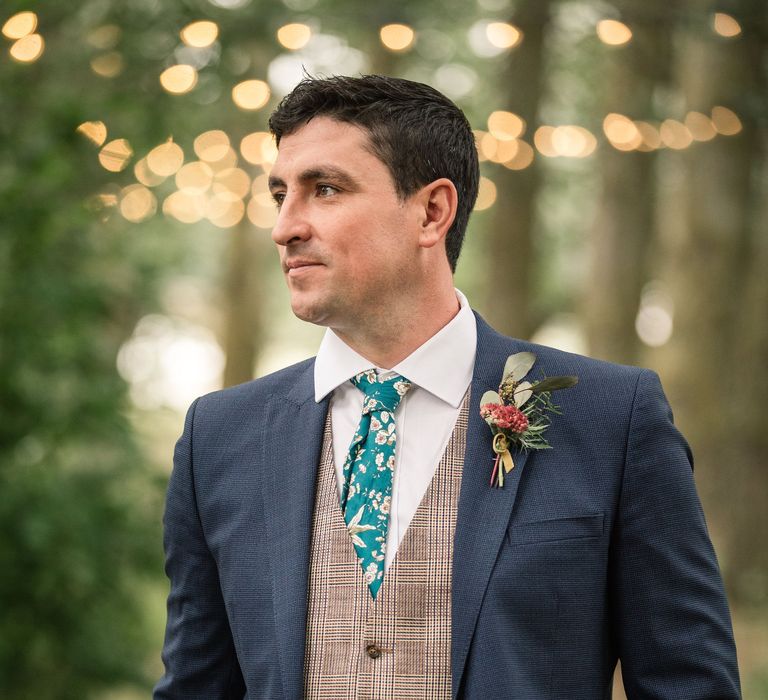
x,y
292,225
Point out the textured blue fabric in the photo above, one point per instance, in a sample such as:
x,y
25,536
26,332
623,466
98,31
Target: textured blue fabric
x,y
593,551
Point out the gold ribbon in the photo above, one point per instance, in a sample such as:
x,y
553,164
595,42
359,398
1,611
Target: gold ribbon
x,y
501,448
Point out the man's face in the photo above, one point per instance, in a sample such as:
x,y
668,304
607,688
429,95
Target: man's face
x,y
347,243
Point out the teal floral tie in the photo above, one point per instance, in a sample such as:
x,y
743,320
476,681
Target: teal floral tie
x,y
367,490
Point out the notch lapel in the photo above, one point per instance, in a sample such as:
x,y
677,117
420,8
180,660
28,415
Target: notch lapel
x,y
292,439
484,511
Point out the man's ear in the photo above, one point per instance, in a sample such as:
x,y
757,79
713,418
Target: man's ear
x,y
437,209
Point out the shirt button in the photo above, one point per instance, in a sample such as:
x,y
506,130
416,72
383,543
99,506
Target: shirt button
x,y
373,651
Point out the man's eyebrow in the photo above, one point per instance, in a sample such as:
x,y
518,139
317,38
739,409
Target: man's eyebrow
x,y
334,174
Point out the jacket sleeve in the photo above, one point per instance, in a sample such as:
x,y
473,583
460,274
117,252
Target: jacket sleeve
x,y
199,653
670,616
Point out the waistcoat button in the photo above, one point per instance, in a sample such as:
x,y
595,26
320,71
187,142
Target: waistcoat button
x,y
373,651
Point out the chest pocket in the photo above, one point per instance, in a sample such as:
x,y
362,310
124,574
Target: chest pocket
x,y
556,529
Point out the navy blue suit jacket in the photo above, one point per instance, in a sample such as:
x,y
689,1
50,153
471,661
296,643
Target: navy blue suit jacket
x,y
594,550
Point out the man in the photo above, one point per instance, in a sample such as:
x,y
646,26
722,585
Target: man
x,y
330,529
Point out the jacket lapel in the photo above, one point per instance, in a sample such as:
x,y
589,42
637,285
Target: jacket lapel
x,y
292,438
484,512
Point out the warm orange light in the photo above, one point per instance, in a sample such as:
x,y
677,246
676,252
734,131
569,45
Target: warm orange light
x,y
185,207
212,145
725,25
252,146
522,159
225,209
486,194
542,139
503,35
137,203
251,94
232,180
294,36
397,37
726,121
505,126
145,176
228,160
573,141
200,34
649,134
108,65
20,25
622,132
700,126
195,177
28,49
675,134
179,79
165,159
94,131
613,32
261,214
115,155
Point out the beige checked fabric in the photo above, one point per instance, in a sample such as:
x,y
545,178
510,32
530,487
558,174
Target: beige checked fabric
x,y
399,646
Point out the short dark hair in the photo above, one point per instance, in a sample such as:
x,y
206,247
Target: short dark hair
x,y
416,131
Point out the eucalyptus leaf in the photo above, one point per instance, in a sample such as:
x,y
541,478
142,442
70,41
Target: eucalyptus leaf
x,y
490,397
554,383
518,365
522,393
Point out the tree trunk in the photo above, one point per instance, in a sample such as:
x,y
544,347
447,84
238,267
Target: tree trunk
x,y
511,258
712,363
624,226
243,324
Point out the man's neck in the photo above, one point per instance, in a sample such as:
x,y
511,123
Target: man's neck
x,y
387,346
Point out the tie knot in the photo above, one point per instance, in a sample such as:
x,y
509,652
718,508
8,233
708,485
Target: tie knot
x,y
381,394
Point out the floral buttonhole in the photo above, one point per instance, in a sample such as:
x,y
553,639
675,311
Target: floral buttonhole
x,y
518,414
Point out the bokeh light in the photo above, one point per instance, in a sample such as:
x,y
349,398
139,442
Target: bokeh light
x,y
523,157
726,121
613,32
251,94
145,176
27,49
505,126
115,155
397,37
179,79
194,178
165,159
294,36
94,131
675,134
234,180
622,132
503,35
137,203
486,194
108,65
700,126
573,141
200,34
186,207
20,25
259,148
212,145
725,25
542,139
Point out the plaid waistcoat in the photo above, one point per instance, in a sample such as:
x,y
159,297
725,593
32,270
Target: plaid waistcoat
x,y
399,646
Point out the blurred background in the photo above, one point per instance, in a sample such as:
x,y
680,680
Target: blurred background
x,y
622,213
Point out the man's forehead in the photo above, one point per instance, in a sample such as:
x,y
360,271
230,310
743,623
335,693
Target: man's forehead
x,y
324,146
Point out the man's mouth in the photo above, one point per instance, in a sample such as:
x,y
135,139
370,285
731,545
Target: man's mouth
x,y
299,266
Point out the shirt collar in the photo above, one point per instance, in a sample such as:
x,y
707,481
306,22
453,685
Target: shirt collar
x,y
442,366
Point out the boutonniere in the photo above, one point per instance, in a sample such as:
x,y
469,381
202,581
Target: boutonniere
x,y
518,412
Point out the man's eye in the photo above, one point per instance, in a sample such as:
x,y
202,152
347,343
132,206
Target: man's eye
x,y
326,190
278,197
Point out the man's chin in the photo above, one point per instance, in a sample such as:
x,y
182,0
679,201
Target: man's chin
x,y
310,312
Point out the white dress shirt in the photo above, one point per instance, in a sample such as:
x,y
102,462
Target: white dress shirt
x,y
440,372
